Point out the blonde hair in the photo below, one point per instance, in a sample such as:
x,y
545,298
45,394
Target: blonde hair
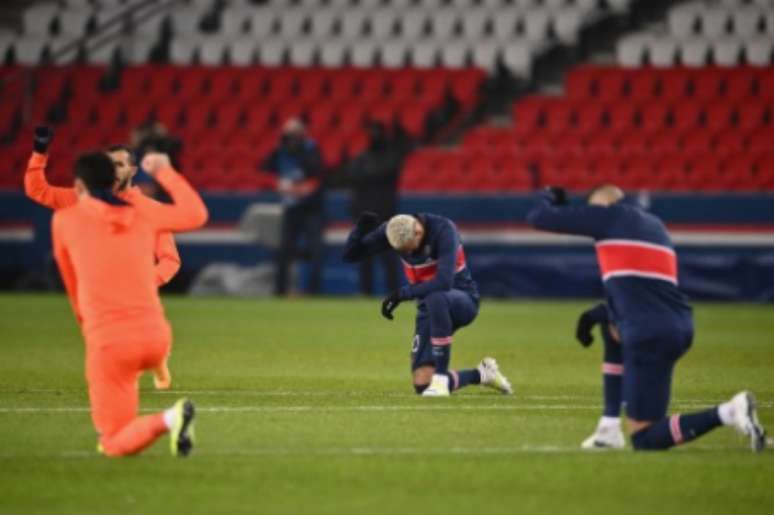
x,y
401,230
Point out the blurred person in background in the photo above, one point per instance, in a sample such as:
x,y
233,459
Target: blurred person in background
x,y
153,136
297,163
373,178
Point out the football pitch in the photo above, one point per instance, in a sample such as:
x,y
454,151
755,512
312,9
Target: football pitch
x,y
306,406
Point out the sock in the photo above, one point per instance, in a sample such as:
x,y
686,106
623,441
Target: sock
x,y
441,355
676,430
606,421
612,375
726,413
169,417
462,378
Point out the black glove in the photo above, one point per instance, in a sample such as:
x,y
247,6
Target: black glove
x,y
42,139
587,321
557,194
389,304
367,221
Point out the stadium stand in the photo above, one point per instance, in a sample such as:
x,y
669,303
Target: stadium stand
x,y
237,69
690,109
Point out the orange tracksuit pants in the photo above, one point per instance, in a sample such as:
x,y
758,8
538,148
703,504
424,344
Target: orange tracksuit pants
x,y
112,373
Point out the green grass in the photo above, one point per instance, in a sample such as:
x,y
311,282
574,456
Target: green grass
x,y
306,407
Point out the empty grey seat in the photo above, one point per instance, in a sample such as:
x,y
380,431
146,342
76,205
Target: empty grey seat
x,y
323,22
263,21
234,21
185,22
37,18
747,21
727,51
271,51
715,22
536,23
363,53
29,49
662,51
212,50
394,53
303,51
425,53
353,24
444,23
631,50
758,51
333,52
695,51
485,53
241,51
505,24
74,22
412,23
568,23
475,22
183,49
517,57
454,53
292,22
383,22
683,19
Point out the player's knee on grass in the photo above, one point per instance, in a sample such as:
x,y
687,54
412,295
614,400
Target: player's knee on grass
x,y
422,377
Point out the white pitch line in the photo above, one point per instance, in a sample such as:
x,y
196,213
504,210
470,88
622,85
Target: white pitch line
x,y
331,409
371,394
374,451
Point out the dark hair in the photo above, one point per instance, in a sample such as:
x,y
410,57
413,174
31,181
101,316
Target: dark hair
x,y
96,171
121,148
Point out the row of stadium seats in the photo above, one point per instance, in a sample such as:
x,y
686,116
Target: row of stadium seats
x,y
424,34
679,129
466,171
703,33
237,109
640,49
715,21
517,54
410,23
609,84
608,142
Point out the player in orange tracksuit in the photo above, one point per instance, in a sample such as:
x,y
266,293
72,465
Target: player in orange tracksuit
x,y
38,189
102,244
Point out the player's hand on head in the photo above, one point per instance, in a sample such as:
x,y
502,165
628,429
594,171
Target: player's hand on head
x,y
367,221
152,162
389,304
586,323
557,195
42,138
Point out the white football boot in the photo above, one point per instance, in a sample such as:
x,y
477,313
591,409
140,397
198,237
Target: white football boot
x,y
439,387
492,377
746,420
607,435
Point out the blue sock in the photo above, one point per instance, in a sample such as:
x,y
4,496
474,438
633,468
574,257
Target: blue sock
x,y
612,374
441,356
462,378
676,430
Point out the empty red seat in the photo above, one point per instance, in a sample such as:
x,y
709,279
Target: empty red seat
x,y
653,116
687,115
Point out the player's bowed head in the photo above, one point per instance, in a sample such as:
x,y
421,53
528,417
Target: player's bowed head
x,y
405,233
605,195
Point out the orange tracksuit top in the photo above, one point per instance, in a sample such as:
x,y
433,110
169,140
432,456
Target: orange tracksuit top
x,y
103,252
38,189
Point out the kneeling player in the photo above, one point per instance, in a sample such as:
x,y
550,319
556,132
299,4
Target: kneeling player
x,y
439,279
102,245
37,188
652,316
